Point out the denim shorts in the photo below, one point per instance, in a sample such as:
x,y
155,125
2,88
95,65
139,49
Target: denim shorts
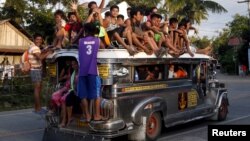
x,y
36,75
89,87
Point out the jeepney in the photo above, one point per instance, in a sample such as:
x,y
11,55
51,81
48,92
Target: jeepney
x,y
139,107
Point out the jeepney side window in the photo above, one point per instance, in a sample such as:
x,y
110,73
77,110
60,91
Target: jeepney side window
x,y
148,73
178,71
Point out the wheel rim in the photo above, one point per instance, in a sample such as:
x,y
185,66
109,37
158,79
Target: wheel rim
x,y
152,126
223,109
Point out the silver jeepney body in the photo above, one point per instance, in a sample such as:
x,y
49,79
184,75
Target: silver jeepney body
x,y
125,102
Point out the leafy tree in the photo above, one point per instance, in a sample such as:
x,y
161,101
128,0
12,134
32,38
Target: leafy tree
x,y
15,10
196,10
238,27
36,16
200,42
137,3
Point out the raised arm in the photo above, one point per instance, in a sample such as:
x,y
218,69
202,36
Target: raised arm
x,y
102,4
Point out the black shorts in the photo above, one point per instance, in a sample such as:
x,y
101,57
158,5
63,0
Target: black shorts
x,y
73,100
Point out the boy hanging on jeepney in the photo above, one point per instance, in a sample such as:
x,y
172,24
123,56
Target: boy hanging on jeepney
x,y
72,101
59,97
88,86
64,80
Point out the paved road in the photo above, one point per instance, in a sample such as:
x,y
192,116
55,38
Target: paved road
x,y
23,125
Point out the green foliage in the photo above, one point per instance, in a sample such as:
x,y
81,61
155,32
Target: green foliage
x,y
196,10
36,16
200,43
147,4
239,28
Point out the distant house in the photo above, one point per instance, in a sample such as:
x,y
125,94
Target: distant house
x,y
14,40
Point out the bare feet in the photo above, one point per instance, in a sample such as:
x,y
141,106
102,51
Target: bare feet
x,y
131,50
148,52
62,125
69,122
88,118
190,53
97,118
159,53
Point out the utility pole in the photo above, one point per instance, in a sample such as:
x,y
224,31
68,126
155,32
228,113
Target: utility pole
x,y
248,1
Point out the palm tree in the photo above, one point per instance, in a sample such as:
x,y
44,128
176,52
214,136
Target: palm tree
x,y
135,3
195,10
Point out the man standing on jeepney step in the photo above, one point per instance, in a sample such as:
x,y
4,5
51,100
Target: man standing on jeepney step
x,y
35,59
89,81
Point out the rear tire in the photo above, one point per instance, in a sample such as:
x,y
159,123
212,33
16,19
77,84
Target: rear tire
x,y
223,110
153,126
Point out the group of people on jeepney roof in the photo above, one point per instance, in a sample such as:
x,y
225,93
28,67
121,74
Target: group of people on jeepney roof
x,y
82,83
136,33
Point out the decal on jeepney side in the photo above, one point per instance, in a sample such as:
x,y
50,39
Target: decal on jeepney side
x,y
141,88
52,69
103,71
192,98
182,101
80,123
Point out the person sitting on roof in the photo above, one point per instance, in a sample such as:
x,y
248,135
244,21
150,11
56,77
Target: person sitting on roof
x,y
181,40
74,28
60,39
116,31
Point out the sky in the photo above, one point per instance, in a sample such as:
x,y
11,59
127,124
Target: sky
x,y
215,22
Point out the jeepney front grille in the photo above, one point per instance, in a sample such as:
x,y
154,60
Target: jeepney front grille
x,y
107,109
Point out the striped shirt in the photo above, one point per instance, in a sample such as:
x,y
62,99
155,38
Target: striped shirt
x,y
33,60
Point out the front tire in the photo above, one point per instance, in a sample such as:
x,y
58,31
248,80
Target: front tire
x,y
223,110
153,126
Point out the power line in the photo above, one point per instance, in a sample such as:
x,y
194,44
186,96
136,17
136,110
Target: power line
x,y
243,1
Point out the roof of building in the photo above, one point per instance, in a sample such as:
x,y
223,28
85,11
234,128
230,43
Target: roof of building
x,y
17,26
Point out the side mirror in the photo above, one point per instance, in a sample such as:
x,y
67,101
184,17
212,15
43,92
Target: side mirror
x,y
214,72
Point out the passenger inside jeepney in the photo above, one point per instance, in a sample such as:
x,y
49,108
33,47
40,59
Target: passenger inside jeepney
x,y
66,96
65,71
153,73
142,72
171,73
181,73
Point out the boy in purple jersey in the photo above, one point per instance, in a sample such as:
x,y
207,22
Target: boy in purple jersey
x,y
88,77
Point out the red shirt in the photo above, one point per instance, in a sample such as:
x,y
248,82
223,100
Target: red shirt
x,y
73,29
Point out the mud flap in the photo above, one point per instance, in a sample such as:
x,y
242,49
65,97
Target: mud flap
x,y
54,134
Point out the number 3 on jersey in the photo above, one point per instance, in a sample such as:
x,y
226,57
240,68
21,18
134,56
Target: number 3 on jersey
x,y
89,49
